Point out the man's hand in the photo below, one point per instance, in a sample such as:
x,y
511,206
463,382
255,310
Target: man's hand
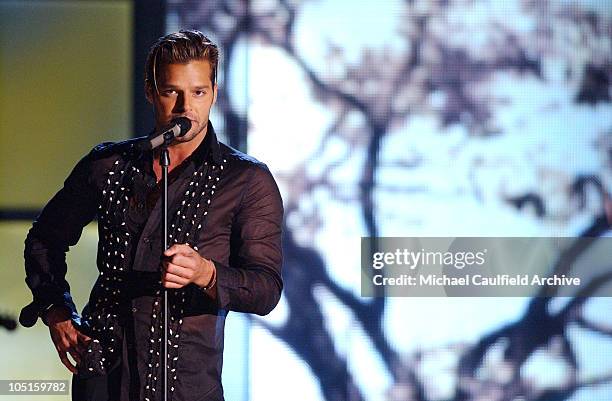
x,y
183,265
66,338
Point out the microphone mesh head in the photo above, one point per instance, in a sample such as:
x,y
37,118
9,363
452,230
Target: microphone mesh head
x,y
184,123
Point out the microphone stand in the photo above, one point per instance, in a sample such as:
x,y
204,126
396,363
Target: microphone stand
x,y
179,128
164,162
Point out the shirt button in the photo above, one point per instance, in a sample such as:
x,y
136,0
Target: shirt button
x,y
134,309
146,240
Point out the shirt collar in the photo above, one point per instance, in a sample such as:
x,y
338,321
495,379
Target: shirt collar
x,y
210,145
208,148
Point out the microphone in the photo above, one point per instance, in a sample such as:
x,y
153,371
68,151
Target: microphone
x,y
177,128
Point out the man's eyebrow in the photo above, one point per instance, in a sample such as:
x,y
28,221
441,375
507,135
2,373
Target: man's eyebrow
x,y
171,86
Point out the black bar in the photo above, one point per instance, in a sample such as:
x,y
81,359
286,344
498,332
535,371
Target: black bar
x,y
149,21
19,214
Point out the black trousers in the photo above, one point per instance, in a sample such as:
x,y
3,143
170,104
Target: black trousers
x,y
119,384
98,388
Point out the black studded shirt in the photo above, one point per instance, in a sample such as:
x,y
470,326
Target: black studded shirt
x,y
230,205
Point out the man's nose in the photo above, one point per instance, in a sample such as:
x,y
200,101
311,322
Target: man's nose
x,y
183,103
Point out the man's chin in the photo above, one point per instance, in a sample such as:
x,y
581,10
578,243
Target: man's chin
x,y
190,135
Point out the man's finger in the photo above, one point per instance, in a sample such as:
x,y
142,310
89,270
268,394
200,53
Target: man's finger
x,y
82,343
169,284
75,346
168,275
75,355
56,339
65,344
64,358
83,338
177,270
181,259
175,279
179,248
73,336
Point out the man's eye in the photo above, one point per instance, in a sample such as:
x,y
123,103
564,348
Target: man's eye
x,y
169,92
200,93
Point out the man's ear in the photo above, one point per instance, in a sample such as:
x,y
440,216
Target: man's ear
x,y
215,90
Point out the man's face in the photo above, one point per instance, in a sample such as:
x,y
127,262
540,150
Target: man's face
x,y
185,90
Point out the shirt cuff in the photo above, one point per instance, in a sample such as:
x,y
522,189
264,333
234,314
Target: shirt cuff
x,y
38,308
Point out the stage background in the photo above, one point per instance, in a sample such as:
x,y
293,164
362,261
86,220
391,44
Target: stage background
x,y
377,118
65,85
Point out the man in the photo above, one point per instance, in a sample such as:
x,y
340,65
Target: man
x,y
225,215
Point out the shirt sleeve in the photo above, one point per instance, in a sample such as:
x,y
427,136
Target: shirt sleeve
x,y
58,227
253,281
